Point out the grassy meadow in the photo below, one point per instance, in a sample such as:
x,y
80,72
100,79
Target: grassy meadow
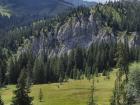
x,y
74,92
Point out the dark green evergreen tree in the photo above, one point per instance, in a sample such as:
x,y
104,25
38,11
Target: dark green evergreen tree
x,y
22,91
1,102
71,63
91,98
79,58
38,71
123,57
40,95
0,77
119,93
12,70
29,73
61,68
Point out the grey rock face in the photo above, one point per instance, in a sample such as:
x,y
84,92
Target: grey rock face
x,y
75,33
70,35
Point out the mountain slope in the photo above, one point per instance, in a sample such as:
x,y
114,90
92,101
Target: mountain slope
x,y
36,7
102,24
81,2
24,12
40,7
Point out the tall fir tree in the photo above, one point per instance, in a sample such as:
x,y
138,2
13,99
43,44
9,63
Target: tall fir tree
x,y
91,98
1,102
12,75
123,57
0,77
71,63
40,95
79,58
22,91
119,93
115,100
38,71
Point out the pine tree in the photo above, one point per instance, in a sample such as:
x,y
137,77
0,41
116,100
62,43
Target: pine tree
x,y
1,102
21,93
29,74
119,92
70,64
38,71
12,74
0,78
115,100
40,95
60,79
123,57
79,58
74,71
91,98
61,68
90,56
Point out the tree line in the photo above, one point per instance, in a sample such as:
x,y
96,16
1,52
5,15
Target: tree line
x,y
98,58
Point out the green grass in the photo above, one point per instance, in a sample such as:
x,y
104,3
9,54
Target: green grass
x,y
74,92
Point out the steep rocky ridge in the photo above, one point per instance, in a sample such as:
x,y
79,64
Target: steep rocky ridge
x,y
106,23
40,8
24,12
75,33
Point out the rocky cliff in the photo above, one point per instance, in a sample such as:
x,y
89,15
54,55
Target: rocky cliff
x,y
80,32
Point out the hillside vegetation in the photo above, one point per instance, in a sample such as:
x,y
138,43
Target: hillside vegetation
x,y
34,7
5,12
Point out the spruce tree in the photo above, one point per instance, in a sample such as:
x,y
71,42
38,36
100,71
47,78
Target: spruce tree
x,y
22,92
0,78
40,95
12,74
1,102
119,92
115,100
91,98
38,71
79,58
61,69
71,63
29,74
123,57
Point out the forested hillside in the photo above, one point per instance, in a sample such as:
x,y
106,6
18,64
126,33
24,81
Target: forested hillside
x,y
24,12
36,7
85,41
78,38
